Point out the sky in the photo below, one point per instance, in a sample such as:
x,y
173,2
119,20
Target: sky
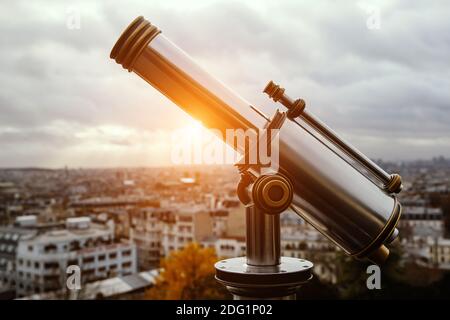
x,y
378,72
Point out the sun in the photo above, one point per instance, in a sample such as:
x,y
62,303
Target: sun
x,y
194,129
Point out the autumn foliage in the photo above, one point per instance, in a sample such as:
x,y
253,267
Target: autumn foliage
x,y
188,274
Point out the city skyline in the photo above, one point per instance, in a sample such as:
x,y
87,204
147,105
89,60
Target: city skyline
x,y
192,167
118,225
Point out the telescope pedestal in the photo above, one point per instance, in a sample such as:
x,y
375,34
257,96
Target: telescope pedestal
x,y
263,273
248,282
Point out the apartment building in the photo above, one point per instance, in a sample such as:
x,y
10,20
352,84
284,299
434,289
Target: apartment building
x,y
146,230
235,225
314,247
422,218
440,253
192,224
219,221
300,240
9,240
43,254
156,232
230,247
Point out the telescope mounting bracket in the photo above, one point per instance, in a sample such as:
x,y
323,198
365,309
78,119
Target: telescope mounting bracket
x,y
263,273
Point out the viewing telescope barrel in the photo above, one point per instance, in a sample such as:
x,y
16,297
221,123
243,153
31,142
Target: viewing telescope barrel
x,y
339,201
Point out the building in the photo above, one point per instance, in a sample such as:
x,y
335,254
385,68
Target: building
x,y
230,247
43,253
440,253
312,246
186,225
235,226
220,221
9,240
124,287
300,240
423,220
146,233
9,201
156,232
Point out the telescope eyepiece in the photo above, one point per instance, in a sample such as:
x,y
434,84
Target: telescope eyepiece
x,y
276,93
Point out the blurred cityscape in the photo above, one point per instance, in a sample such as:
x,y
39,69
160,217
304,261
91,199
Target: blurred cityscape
x,y
117,224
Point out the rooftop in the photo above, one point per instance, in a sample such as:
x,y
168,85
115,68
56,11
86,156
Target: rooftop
x,y
108,288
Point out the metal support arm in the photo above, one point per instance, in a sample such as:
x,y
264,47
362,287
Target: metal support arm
x,y
263,273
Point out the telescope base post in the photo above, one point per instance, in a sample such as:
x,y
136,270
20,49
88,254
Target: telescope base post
x,y
263,273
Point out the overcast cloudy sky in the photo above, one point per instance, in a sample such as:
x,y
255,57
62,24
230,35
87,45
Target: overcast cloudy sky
x,y
383,84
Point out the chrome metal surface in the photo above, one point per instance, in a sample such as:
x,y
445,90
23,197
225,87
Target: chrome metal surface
x,y
336,199
245,281
321,127
265,274
262,237
177,76
393,236
287,267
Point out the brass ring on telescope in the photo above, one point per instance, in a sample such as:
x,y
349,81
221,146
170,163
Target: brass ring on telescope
x,y
132,41
296,109
370,251
134,31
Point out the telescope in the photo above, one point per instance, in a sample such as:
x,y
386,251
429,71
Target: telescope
x,y
326,181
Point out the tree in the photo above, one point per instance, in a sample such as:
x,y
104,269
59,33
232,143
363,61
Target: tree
x,y
188,274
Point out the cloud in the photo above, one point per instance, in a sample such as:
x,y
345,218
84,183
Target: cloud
x,y
386,90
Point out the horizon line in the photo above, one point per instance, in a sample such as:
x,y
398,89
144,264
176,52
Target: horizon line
x,y
161,166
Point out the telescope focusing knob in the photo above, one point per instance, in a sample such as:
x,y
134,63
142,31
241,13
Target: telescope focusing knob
x,y
296,109
394,185
272,193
